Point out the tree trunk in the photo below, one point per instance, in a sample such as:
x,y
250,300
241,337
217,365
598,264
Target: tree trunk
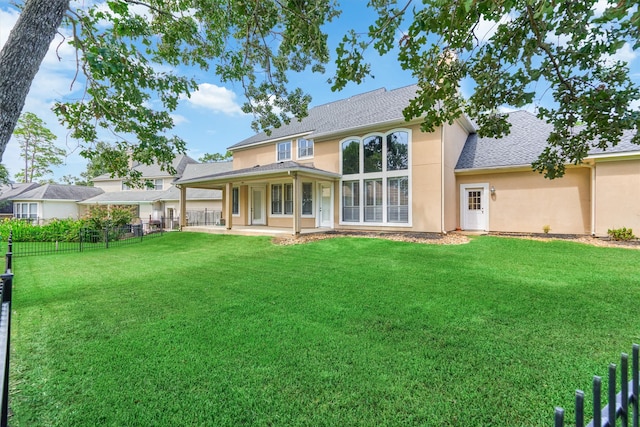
x,y
21,57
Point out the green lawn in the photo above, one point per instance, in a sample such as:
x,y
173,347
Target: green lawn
x,y
202,330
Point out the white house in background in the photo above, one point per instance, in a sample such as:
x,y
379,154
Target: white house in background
x,y
9,192
161,202
50,201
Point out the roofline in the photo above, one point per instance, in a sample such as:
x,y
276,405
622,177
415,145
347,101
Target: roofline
x,y
269,141
613,155
232,177
120,202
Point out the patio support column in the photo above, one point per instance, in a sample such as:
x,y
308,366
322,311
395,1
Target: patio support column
x,y
228,204
296,204
183,206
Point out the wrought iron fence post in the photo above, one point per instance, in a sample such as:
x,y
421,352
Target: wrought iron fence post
x,y
9,252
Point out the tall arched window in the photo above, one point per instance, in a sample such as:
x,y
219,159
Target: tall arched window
x,y
351,157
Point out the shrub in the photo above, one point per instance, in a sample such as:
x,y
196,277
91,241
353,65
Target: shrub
x,y
621,234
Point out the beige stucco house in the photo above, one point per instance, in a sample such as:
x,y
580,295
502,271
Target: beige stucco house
x,y
356,164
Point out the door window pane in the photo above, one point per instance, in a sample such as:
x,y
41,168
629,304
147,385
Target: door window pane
x,y
307,198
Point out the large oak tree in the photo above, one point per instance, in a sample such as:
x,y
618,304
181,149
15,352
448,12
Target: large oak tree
x,y
563,49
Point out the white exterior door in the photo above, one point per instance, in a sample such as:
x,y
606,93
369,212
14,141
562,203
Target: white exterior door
x,y
258,212
474,212
325,206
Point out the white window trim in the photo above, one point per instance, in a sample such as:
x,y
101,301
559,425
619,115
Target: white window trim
x,y
313,144
313,200
236,215
278,151
362,177
282,202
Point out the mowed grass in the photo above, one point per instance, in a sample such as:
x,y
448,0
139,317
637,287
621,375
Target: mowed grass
x,y
202,330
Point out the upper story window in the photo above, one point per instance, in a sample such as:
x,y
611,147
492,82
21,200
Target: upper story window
x,y
351,157
284,151
376,154
305,148
156,184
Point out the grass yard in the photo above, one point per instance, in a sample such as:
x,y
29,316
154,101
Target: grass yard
x,y
203,330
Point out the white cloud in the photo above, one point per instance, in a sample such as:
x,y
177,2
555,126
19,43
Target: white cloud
x,y
179,119
625,54
215,98
486,29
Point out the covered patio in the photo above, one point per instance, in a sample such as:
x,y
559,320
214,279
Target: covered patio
x,y
274,199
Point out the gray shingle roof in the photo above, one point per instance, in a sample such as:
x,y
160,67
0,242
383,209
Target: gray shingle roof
x,y
521,147
366,109
11,191
260,170
60,192
179,163
202,169
151,196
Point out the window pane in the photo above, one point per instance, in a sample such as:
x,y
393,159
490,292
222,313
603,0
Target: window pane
x,y
350,157
398,199
305,147
235,201
373,154
373,200
276,199
288,199
351,201
307,198
398,151
284,151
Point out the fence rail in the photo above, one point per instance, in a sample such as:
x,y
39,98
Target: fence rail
x,y
81,240
622,405
5,334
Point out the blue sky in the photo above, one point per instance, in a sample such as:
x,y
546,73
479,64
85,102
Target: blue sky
x,y
211,120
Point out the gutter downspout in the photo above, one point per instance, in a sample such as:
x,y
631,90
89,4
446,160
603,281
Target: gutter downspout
x,y
442,227
592,170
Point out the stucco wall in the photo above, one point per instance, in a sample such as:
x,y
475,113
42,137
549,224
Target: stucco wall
x,y
617,196
524,201
61,210
108,186
426,157
455,138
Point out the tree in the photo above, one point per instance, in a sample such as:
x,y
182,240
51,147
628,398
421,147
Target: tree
x,y
216,157
37,148
535,47
565,48
124,57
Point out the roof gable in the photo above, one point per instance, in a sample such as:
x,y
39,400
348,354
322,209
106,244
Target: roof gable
x,y
60,192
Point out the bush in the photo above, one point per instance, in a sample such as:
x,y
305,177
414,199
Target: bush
x,y
621,234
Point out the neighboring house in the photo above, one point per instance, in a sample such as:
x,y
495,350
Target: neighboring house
x,y
9,192
49,201
160,203
357,164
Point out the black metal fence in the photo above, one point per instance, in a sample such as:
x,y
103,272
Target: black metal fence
x,y
621,406
84,239
5,334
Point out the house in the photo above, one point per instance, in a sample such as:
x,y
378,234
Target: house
x,y
9,192
49,201
356,164
159,203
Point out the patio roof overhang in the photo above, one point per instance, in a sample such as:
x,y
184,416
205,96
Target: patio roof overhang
x,y
257,173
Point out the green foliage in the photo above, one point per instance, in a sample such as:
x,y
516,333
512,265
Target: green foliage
x,y
37,148
623,233
562,47
62,230
100,216
125,57
216,157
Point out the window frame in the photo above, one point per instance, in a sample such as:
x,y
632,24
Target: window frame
x,y
388,173
235,201
30,208
284,152
282,206
309,148
310,200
